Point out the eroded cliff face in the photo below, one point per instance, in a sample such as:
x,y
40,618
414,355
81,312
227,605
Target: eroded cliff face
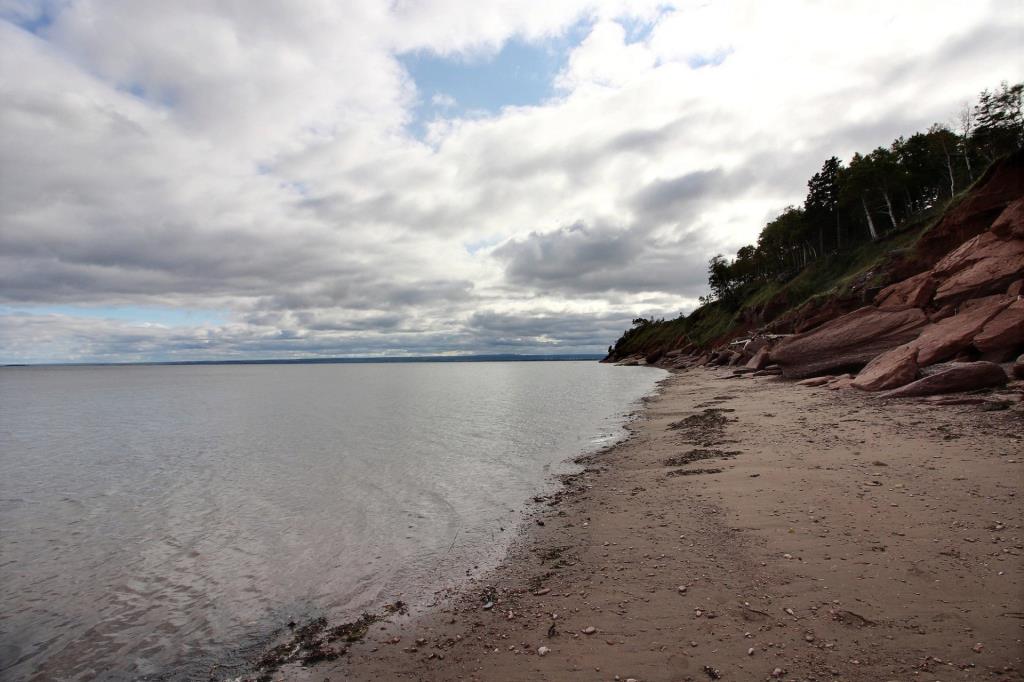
x,y
951,318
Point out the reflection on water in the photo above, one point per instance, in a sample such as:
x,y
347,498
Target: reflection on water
x,y
155,520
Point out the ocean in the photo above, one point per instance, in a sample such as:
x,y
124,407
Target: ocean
x,y
158,521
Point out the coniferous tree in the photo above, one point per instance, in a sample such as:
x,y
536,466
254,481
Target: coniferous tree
x,y
822,203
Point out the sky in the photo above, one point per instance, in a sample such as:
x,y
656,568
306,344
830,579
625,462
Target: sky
x,y
226,180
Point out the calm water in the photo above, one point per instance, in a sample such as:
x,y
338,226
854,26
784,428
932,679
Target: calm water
x,y
156,520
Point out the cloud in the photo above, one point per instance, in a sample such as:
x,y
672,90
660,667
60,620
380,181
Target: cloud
x,y
261,160
582,261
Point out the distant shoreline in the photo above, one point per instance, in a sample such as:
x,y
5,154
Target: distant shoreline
x,y
569,357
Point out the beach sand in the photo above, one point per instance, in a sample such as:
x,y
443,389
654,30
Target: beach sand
x,y
845,537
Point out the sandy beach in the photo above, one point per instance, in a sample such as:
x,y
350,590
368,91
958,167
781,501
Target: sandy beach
x,y
749,529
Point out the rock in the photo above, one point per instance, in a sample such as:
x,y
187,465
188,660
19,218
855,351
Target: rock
x,y
760,359
816,381
1018,367
913,292
982,265
840,382
541,592
1015,289
589,630
1003,330
942,313
945,339
852,340
543,651
893,368
778,672
998,187
955,377
1010,222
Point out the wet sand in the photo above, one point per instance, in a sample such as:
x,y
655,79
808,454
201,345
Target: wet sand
x,y
831,535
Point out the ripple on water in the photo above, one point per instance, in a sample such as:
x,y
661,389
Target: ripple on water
x,y
157,520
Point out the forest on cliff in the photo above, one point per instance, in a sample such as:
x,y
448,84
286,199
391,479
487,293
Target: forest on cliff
x,y
854,214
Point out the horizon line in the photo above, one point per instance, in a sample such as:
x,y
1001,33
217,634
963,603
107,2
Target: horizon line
x,y
483,357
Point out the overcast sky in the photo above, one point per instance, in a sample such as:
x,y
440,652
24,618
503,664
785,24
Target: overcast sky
x,y
198,179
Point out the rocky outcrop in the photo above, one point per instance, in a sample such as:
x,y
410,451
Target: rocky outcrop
x,y
914,292
1004,331
967,376
850,341
987,203
943,340
889,370
985,264
965,305
955,294
1010,223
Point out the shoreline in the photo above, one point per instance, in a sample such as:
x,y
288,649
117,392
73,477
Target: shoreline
x,y
746,529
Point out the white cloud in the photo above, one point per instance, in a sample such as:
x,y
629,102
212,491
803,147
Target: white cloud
x,y
255,157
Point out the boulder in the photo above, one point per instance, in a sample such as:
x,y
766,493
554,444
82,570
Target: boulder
x,y
1005,330
849,341
1018,367
760,359
913,292
966,376
944,339
893,368
982,265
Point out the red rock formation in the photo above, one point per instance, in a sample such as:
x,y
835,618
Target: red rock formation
x,y
1004,331
852,340
967,376
987,202
984,264
913,292
945,339
1010,223
889,370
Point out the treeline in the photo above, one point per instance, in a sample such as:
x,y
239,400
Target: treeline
x,y
848,204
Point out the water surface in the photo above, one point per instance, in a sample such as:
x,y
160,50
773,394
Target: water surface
x,y
156,520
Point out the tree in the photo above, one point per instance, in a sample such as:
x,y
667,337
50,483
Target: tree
x,y
1000,120
822,202
945,141
965,119
889,176
859,183
719,278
